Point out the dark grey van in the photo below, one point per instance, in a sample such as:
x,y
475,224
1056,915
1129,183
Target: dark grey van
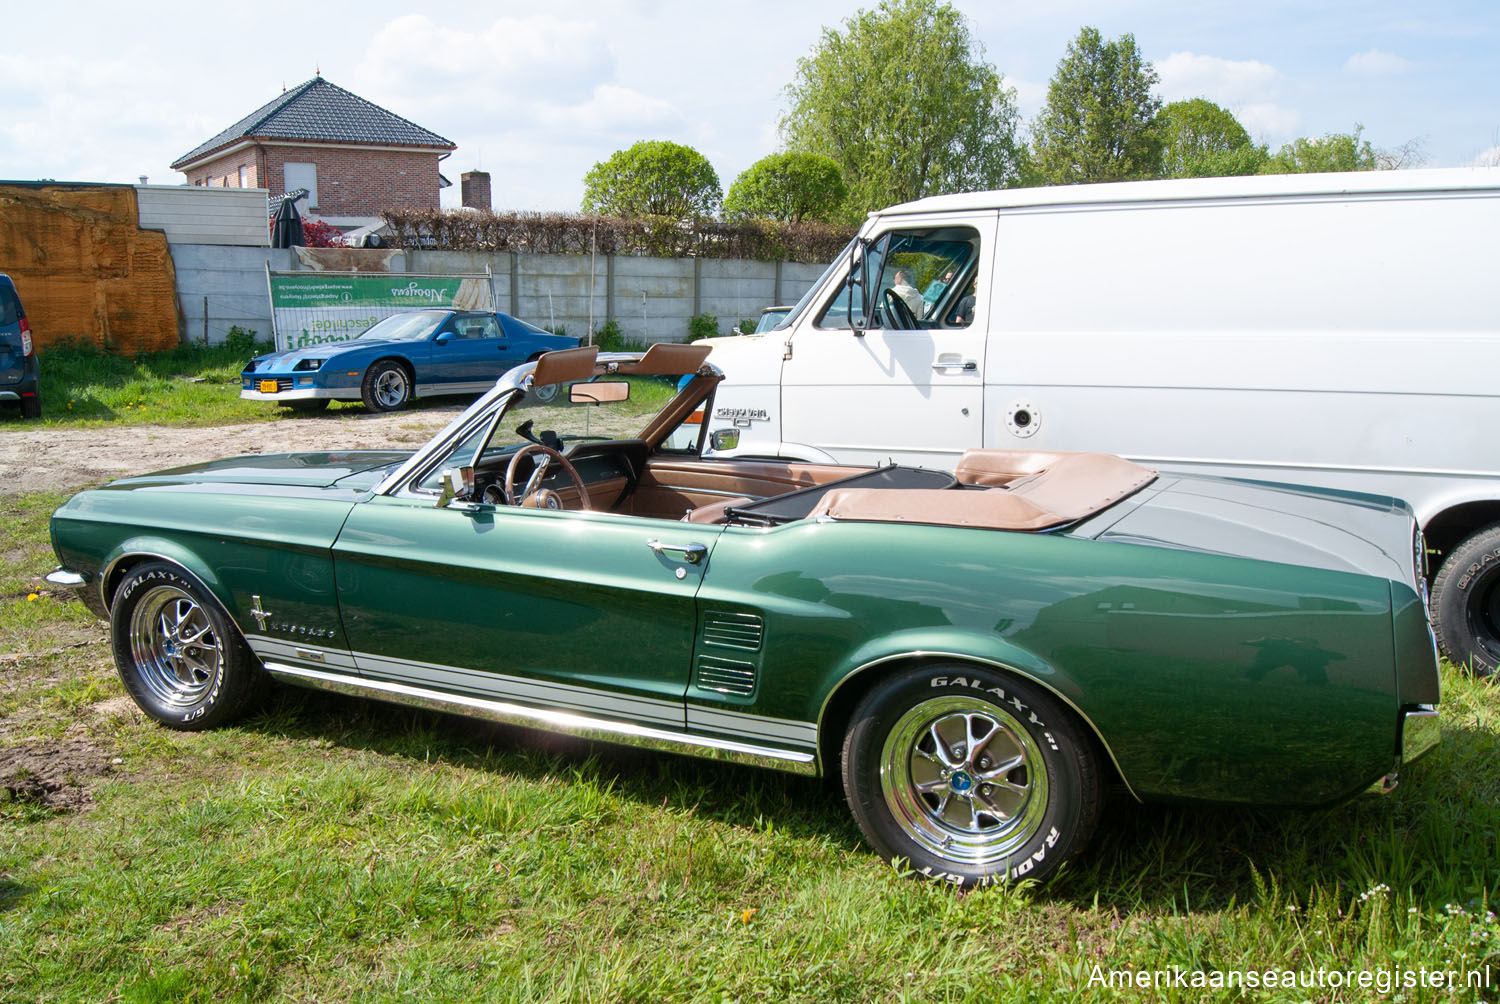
x,y
20,373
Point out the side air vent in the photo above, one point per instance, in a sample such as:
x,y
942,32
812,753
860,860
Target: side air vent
x,y
728,630
727,676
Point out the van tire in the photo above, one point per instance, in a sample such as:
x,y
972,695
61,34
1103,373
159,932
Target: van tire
x,y
31,407
1466,603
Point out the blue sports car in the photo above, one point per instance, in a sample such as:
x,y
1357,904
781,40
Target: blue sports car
x,y
424,353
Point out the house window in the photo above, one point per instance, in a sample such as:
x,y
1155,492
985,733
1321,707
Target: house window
x,y
299,175
244,176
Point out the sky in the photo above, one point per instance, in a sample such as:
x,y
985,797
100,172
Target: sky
x,y
109,91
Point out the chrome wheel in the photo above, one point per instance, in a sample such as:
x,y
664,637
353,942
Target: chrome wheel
x,y
176,652
391,388
964,780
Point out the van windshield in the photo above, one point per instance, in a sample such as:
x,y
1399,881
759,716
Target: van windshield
x,y
839,261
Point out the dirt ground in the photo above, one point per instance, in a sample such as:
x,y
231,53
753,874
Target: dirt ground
x,y
43,458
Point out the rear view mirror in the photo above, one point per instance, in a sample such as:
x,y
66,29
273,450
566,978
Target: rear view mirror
x,y
599,392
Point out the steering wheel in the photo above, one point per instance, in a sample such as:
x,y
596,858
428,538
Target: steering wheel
x,y
546,499
901,315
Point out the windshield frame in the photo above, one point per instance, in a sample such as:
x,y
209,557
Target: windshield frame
x,y
508,391
406,316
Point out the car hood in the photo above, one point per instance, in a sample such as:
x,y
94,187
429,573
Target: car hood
x,y
1289,524
355,469
288,358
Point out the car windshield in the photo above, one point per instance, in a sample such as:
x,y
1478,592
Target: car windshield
x,y
410,327
560,416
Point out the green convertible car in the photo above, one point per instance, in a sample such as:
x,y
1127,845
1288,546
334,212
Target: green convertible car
x,y
979,655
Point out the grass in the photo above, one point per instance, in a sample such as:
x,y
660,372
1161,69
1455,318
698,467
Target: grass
x,y
333,849
192,385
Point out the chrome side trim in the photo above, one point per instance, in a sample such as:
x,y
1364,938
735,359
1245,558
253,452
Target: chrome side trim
x,y
1420,732
519,688
569,723
775,729
281,648
442,389
965,657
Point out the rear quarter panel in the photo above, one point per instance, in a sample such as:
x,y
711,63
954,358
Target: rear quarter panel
x,y
1208,678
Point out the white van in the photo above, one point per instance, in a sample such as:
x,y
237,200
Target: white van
x,y
1338,330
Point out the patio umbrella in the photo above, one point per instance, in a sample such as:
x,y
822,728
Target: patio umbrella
x,y
286,228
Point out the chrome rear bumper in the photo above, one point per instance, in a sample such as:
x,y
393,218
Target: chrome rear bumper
x,y
1420,732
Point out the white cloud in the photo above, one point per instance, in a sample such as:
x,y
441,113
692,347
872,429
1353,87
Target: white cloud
x,y
1375,63
1187,75
513,61
616,110
1267,121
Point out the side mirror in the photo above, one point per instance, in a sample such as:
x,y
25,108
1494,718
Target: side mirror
x,y
458,483
724,439
443,338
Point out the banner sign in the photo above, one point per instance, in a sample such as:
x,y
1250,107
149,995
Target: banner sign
x,y
311,308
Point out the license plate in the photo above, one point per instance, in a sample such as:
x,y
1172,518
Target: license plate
x,y
268,386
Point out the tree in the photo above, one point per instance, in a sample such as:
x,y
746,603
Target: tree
x,y
653,178
1097,122
1338,151
790,187
1201,140
903,101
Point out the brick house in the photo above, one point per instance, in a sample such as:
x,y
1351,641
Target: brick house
x,y
354,157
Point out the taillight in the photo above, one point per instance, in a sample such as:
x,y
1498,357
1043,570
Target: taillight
x,y
26,345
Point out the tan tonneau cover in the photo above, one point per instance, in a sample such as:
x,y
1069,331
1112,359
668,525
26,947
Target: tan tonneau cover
x,y
1024,491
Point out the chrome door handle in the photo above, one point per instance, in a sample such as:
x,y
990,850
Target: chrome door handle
x,y
691,553
967,364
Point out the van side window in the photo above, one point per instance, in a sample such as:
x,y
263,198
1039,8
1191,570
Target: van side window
x,y
909,279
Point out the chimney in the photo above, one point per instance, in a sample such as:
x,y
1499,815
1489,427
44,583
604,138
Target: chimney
x,y
143,179
475,186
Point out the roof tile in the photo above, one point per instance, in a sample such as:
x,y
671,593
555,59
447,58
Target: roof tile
x,y
320,111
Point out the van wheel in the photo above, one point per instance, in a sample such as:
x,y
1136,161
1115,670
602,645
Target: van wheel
x,y
179,656
1466,603
31,407
970,776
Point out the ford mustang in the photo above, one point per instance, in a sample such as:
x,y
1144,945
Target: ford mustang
x,y
421,353
979,656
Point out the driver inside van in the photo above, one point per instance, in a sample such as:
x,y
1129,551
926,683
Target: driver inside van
x,y
908,292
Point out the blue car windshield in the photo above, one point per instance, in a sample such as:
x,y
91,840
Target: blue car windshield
x,y
411,327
